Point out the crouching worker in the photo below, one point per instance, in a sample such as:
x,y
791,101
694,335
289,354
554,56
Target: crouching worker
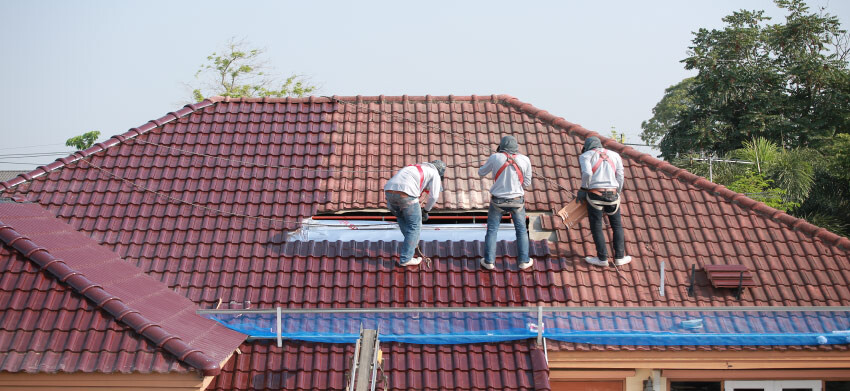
x,y
511,173
601,185
403,191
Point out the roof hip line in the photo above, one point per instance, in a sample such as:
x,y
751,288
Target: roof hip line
x,y
109,303
112,141
683,175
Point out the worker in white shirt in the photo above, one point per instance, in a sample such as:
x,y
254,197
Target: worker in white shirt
x,y
511,173
402,192
601,186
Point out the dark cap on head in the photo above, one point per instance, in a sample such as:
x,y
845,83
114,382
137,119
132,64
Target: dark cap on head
x,y
440,166
590,143
508,144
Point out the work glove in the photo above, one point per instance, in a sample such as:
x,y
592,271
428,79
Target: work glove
x,y
425,216
582,194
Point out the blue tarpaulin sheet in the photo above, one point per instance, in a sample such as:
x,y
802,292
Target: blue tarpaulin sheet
x,y
641,328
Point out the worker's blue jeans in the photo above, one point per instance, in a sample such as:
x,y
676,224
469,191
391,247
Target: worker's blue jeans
x,y
409,216
494,218
616,222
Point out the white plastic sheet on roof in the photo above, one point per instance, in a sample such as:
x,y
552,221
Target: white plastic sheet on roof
x,y
366,230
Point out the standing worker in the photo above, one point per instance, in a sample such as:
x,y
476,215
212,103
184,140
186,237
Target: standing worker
x,y
601,185
402,192
511,173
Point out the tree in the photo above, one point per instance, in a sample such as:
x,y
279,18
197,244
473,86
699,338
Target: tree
x,y
774,94
780,81
83,141
240,71
759,188
676,100
619,137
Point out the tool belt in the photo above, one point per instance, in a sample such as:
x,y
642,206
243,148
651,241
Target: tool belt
x,y
504,203
609,198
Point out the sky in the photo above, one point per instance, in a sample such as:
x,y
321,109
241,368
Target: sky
x,y
75,66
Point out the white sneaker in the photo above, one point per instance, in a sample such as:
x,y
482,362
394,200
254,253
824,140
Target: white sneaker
x,y
526,265
596,261
623,260
486,265
412,262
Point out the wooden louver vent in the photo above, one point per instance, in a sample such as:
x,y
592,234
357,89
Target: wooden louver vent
x,y
729,276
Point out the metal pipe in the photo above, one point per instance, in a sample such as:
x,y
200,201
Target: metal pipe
x,y
527,309
539,325
279,329
661,285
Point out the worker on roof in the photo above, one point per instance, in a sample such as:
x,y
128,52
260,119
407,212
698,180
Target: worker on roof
x,y
601,185
403,191
511,173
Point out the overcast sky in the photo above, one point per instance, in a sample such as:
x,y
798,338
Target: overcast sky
x,y
74,66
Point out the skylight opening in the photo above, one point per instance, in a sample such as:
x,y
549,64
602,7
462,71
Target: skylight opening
x,y
382,226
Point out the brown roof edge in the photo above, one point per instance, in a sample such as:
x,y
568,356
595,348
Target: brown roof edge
x,y
112,141
365,99
683,175
109,303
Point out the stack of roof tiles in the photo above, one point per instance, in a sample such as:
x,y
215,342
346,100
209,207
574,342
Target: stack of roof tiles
x,y
203,200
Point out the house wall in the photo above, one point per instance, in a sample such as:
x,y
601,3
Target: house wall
x,y
102,382
633,368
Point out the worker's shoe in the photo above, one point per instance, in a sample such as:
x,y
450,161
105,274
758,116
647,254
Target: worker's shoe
x,y
527,264
622,261
412,262
487,265
596,261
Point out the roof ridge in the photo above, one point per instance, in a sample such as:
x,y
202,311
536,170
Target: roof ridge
x,y
112,141
361,98
113,305
684,175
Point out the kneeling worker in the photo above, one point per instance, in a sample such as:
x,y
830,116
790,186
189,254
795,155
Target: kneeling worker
x,y
402,192
601,185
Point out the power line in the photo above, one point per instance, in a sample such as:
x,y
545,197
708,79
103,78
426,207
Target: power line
x,y
30,146
21,163
34,154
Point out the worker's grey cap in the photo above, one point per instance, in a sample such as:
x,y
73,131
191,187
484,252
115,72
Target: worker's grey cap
x,y
440,166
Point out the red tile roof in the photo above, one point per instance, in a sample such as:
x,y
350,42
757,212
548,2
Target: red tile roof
x,y
91,311
202,199
310,366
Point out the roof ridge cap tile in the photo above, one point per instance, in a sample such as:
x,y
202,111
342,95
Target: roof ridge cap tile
x,y
401,98
109,303
683,175
110,142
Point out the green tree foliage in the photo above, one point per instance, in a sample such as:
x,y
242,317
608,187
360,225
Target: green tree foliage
x,y
759,188
619,137
828,203
83,141
786,82
777,94
240,71
665,114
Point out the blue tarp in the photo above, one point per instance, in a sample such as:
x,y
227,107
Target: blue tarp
x,y
650,328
